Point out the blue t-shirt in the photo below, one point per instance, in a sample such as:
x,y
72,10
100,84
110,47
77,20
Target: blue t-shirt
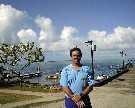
x,y
76,80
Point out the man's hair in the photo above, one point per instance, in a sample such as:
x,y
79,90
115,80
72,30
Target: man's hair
x,y
75,49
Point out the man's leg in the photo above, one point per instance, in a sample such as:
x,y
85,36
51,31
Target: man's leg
x,y
87,102
69,103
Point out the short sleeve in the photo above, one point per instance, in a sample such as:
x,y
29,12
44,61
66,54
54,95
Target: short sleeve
x,y
64,78
90,79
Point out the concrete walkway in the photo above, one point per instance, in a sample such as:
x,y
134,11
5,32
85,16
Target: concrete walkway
x,y
119,93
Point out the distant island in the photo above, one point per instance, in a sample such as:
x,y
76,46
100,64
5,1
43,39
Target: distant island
x,y
67,60
51,61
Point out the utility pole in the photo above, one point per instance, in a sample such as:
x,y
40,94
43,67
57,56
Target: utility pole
x,y
92,64
123,55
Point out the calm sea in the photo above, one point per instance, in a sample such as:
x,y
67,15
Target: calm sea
x,y
107,67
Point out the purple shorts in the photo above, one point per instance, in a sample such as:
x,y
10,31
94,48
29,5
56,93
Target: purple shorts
x,y
69,103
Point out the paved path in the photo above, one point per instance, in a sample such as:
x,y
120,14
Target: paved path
x,y
120,93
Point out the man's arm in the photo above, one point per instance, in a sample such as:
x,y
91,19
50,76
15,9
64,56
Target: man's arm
x,y
68,91
86,91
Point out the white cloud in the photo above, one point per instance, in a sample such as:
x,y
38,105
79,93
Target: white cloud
x,y
11,21
51,39
49,35
27,36
48,31
68,39
121,38
68,33
54,39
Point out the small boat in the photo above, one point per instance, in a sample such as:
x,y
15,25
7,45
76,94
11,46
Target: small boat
x,y
100,77
38,73
103,76
32,74
52,77
97,66
59,72
26,76
112,66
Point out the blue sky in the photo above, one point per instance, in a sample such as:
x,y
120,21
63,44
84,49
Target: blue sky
x,y
82,14
59,25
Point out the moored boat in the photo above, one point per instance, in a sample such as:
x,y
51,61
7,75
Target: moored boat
x,y
59,72
52,77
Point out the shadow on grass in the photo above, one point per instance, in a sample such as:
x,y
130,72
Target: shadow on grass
x,y
121,79
40,103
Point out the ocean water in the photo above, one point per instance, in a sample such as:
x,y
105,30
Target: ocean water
x,y
50,68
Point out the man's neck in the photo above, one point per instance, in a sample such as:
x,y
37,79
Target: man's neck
x,y
77,66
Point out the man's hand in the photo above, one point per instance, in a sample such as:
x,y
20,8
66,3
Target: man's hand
x,y
78,101
76,98
80,104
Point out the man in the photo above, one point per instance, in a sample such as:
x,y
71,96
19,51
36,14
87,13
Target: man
x,y
76,81
131,63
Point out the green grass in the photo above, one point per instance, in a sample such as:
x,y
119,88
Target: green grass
x,y
31,88
39,103
10,97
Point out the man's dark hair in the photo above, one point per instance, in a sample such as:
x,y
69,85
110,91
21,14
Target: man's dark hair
x,y
75,49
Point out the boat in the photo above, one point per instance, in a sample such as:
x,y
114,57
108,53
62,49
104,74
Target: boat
x,y
52,77
112,67
38,73
101,77
59,72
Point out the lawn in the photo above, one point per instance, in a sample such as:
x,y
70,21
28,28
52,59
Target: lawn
x,y
11,97
37,88
39,104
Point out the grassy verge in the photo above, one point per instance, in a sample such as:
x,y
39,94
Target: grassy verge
x,y
10,97
39,103
31,88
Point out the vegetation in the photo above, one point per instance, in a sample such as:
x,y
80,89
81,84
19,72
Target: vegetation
x,y
13,55
39,103
10,97
18,57
15,58
36,88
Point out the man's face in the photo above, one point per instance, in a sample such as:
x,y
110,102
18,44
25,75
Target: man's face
x,y
76,57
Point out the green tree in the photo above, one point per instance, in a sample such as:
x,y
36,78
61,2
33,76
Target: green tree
x,y
14,55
